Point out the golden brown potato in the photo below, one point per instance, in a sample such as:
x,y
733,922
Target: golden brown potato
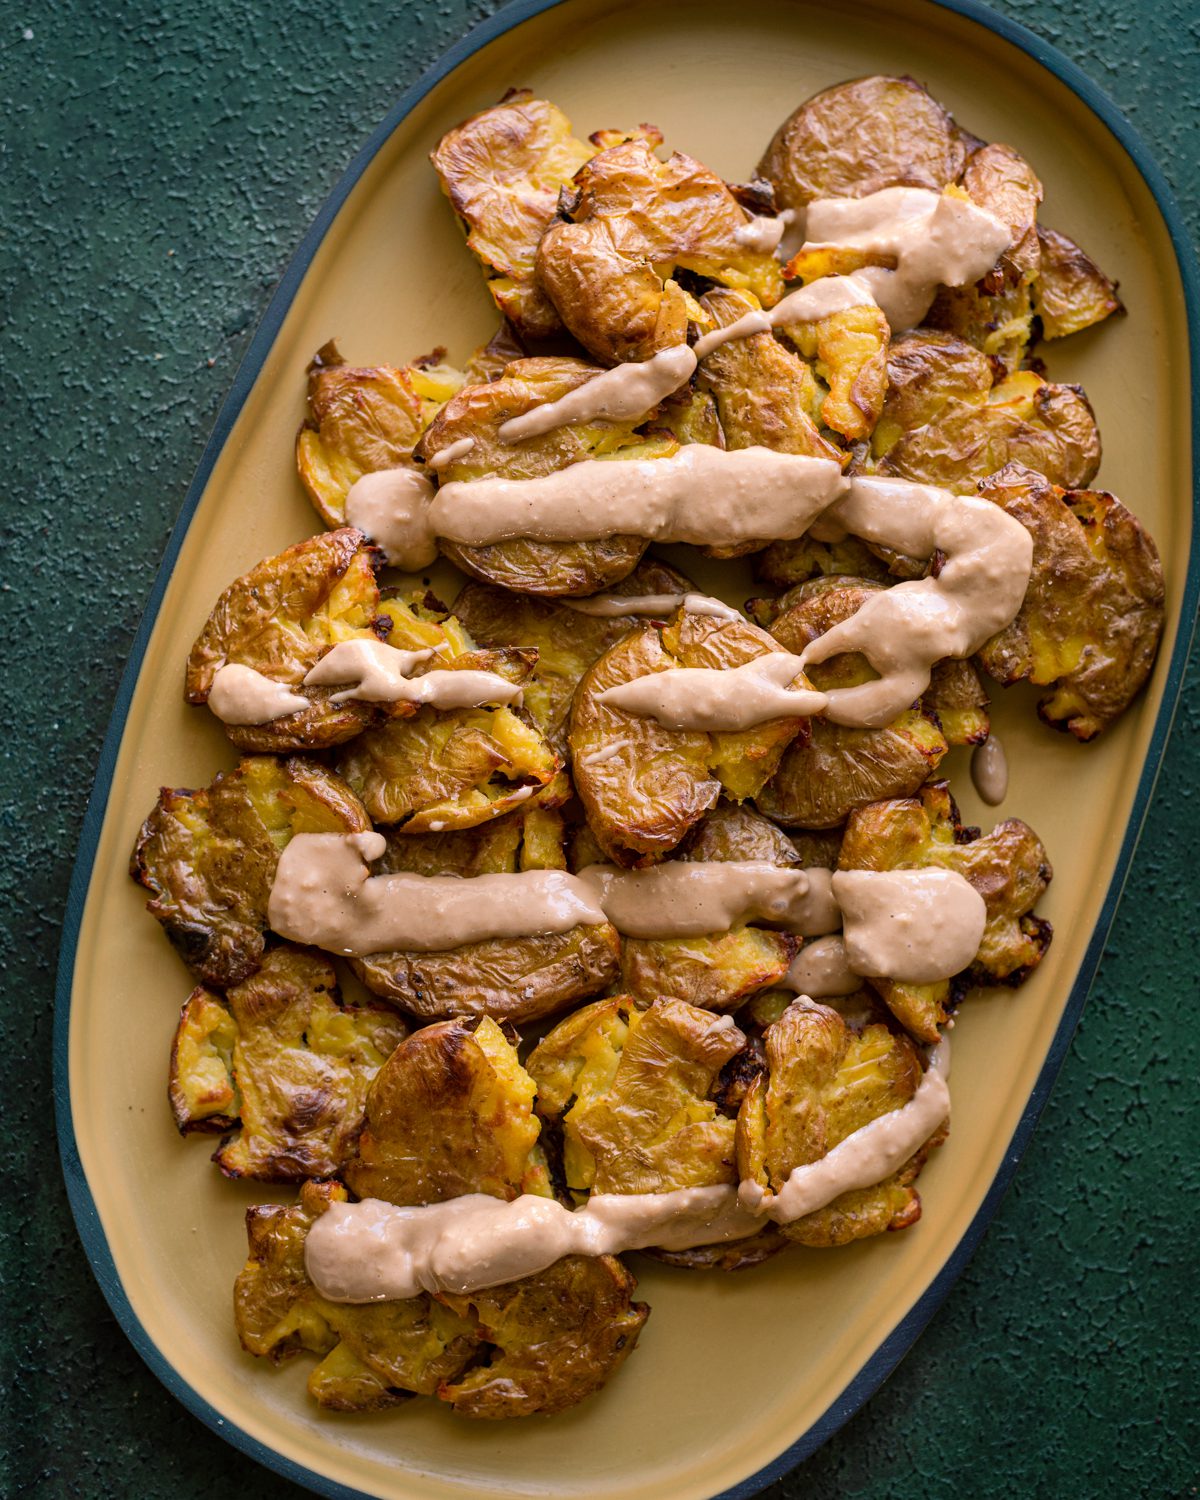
x,y
503,170
958,700
825,1079
361,420
838,768
556,1338
517,981
567,641
452,768
784,565
1093,613
1024,419
279,618
208,857
733,832
629,1094
849,351
630,224
926,370
478,412
1008,867
644,786
1071,292
297,1063
861,136
766,395
450,1112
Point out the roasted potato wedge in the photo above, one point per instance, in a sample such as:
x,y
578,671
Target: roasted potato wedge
x,y
362,420
836,769
567,641
297,1066
478,412
629,1092
1071,292
208,857
1093,613
279,618
644,787
630,222
968,436
517,981
825,1079
861,136
1008,867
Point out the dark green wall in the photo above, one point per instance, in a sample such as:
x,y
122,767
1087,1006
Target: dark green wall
x,y
157,169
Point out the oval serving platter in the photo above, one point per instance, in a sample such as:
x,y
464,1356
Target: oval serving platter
x,y
736,1377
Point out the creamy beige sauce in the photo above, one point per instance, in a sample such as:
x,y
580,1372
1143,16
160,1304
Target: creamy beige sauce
x,y
763,234
933,238
242,695
324,894
692,899
391,507
807,304
699,495
716,699
656,606
904,629
374,1251
820,969
914,926
378,673
867,1156
451,453
989,771
616,395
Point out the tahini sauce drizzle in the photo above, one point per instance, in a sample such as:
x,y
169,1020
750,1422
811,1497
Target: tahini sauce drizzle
x,y
821,969
451,453
378,673
391,507
243,695
716,699
915,926
693,898
626,391
610,606
374,1251
989,771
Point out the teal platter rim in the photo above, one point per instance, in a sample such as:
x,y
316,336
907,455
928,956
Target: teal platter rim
x,y
888,1354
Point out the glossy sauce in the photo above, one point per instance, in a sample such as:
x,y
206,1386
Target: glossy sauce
x,y
391,507
716,699
378,673
989,771
242,695
626,391
820,970
913,926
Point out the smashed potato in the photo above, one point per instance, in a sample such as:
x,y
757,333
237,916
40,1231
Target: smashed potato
x,y
362,420
859,137
825,1079
208,857
515,980
1071,292
630,223
285,1060
838,768
478,412
1093,613
628,1093
278,619
644,786
1008,867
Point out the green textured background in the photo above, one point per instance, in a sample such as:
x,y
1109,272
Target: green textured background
x,y
156,173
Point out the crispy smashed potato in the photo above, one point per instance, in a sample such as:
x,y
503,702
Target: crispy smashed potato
x,y
1008,867
629,225
1071,292
283,1058
278,619
945,423
837,768
629,1092
516,980
567,640
644,787
825,1079
208,857
858,137
1093,613
478,412
362,420
957,698
784,565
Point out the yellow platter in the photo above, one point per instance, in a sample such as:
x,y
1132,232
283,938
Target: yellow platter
x,y
738,1376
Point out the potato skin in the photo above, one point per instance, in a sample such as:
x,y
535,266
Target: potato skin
x,y
279,618
1071,292
1009,868
300,1061
820,781
861,136
514,980
208,857
1093,613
